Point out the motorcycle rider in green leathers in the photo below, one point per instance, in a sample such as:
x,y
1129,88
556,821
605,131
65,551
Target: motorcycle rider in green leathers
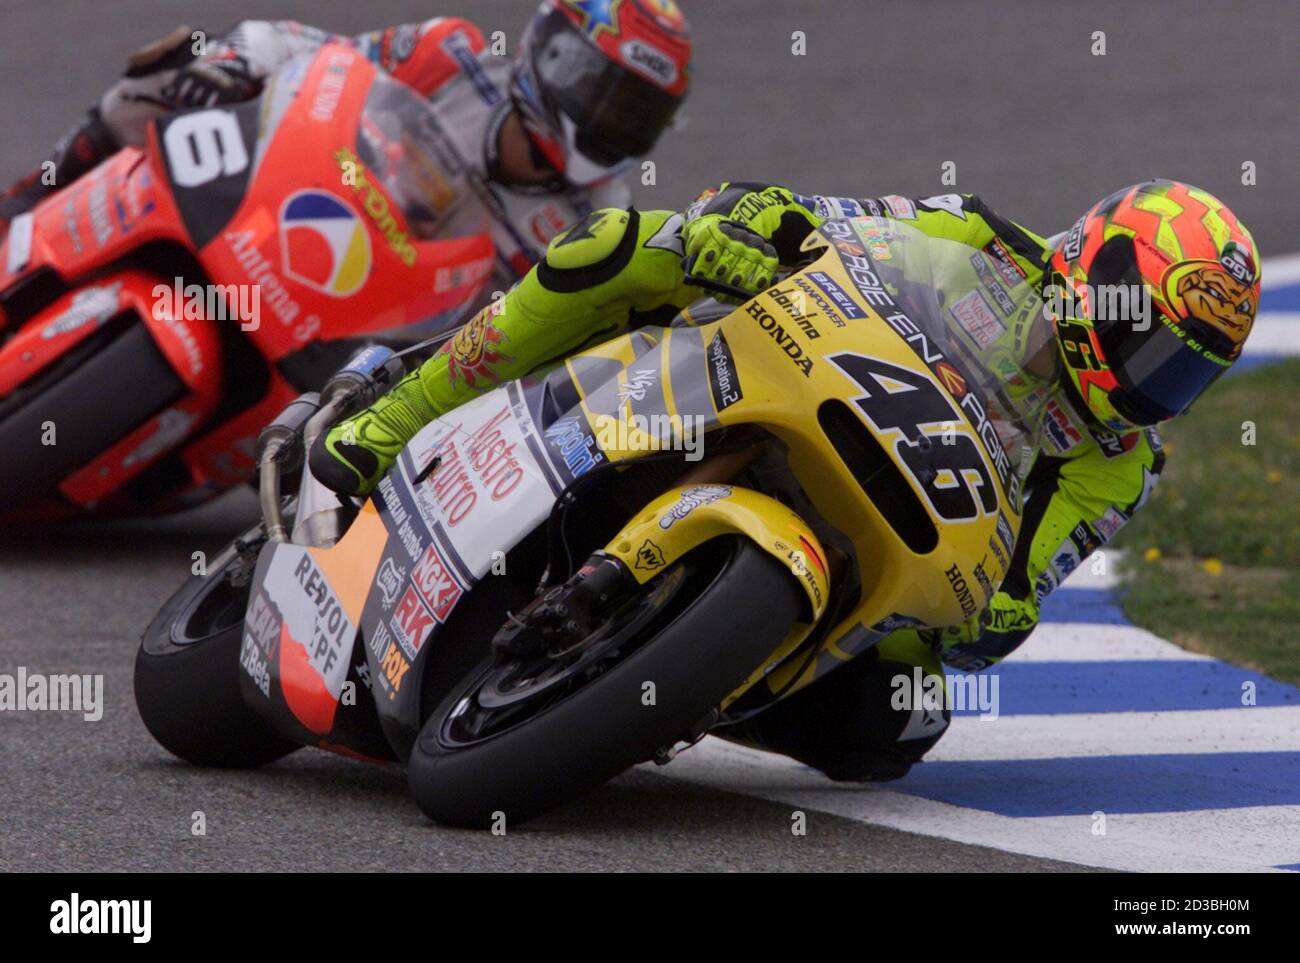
x,y
1100,457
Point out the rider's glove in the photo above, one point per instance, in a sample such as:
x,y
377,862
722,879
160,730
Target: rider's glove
x,y
768,212
773,213
718,249
222,80
986,638
763,223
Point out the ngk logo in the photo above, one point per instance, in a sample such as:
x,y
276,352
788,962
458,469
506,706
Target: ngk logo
x,y
436,584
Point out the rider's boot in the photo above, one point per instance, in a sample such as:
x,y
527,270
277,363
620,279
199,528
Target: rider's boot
x,y
353,455
845,723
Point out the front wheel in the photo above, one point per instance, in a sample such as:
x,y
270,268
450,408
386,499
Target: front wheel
x,y
520,740
187,675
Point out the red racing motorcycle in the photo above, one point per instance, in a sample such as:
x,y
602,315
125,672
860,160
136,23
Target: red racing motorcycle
x,y
155,314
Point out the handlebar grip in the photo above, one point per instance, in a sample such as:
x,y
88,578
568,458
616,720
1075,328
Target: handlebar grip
x,y
373,369
284,434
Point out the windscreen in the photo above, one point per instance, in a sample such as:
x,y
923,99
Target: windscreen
x,y
400,141
969,314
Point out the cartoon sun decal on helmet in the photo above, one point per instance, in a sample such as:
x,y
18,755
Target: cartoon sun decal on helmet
x,y
1212,292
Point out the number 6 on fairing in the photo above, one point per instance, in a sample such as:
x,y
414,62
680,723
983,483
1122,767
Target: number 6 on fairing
x,y
204,146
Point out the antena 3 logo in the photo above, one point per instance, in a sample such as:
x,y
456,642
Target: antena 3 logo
x,y
75,916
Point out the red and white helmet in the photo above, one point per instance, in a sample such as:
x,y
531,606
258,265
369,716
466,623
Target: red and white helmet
x,y
597,82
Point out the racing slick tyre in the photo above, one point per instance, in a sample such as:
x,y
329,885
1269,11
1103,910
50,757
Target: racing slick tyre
x,y
187,678
521,738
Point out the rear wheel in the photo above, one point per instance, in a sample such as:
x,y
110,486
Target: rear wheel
x,y
187,674
522,738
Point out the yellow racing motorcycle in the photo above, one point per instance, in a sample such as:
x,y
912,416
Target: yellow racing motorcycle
x,y
599,564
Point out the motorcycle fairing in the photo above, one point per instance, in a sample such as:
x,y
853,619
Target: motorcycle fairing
x,y
821,337
392,582
206,203
296,662
190,345
434,529
97,220
401,279
448,528
200,188
502,460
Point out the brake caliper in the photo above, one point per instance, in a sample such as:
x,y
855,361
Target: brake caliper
x,y
560,618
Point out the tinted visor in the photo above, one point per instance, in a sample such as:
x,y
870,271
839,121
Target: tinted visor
x,y
1159,374
618,113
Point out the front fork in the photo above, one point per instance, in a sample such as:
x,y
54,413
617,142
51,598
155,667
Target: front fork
x,y
698,510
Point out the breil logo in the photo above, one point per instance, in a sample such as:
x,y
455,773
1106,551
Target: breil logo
x,y
75,916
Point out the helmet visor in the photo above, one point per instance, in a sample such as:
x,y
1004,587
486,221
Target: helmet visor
x,y
1159,375
618,113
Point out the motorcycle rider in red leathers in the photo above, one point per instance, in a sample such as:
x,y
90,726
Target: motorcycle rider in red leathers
x,y
541,141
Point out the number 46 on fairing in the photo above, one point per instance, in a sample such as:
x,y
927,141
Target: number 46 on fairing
x,y
945,464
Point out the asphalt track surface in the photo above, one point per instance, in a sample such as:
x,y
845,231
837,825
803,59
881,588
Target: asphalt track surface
x,y
887,93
